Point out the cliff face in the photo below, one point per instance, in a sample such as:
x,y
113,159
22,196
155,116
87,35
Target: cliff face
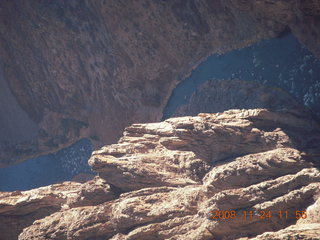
x,y
76,69
165,181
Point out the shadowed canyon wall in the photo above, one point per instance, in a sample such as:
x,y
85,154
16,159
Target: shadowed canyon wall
x,y
281,63
77,69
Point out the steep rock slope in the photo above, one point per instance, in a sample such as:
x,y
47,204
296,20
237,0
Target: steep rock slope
x,y
165,181
65,64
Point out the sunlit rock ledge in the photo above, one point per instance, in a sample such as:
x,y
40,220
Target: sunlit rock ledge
x,y
169,180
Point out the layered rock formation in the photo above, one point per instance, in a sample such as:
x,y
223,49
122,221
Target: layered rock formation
x,y
19,209
165,181
65,64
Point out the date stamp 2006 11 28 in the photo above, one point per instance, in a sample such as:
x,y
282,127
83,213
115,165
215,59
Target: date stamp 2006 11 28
x,y
263,214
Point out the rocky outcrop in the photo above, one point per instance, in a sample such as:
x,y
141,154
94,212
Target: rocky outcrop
x,y
181,178
185,148
65,64
19,209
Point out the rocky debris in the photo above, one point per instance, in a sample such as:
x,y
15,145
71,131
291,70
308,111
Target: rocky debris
x,y
221,95
181,178
65,64
19,209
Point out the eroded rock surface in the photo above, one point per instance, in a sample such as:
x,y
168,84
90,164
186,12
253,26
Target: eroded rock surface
x,y
19,209
65,64
164,181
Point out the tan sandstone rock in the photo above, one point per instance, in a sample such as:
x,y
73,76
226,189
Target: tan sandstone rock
x,y
247,161
307,228
20,209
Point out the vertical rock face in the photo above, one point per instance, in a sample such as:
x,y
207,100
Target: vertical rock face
x,y
75,69
181,178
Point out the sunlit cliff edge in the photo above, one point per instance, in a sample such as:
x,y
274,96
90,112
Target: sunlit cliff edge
x,y
164,181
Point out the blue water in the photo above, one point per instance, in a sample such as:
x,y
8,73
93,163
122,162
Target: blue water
x,y
279,62
49,169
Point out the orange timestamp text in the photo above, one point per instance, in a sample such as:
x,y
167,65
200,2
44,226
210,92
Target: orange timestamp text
x,y
263,214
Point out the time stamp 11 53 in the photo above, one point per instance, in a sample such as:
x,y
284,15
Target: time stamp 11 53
x,y
262,214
